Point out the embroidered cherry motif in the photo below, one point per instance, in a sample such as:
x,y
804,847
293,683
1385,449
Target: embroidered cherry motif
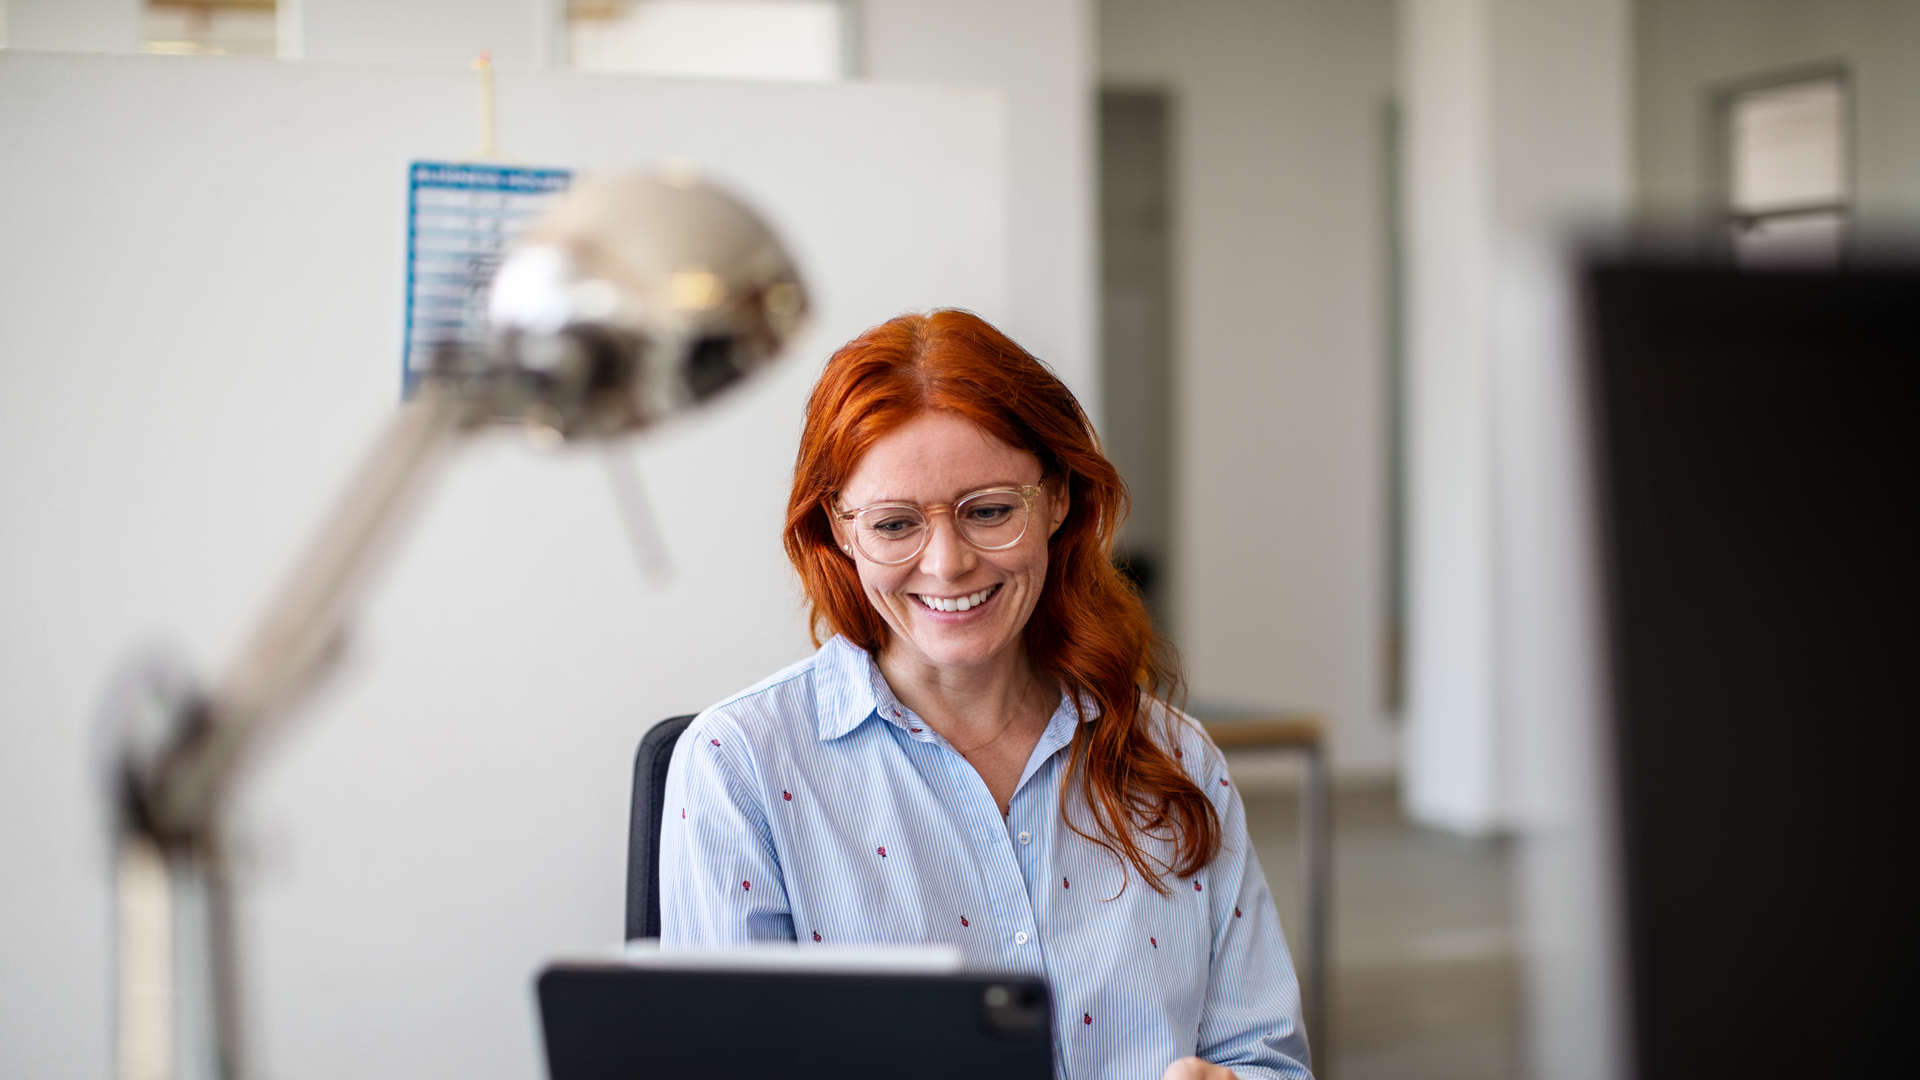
x,y
747,885
1177,754
1065,884
1196,886
1155,942
964,922
715,742
1086,1018
787,795
1236,913
683,813
882,851
816,935
915,730
1223,781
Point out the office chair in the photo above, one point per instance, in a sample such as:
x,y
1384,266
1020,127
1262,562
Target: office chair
x,y
643,825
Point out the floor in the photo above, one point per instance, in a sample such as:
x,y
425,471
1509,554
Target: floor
x,y
1424,980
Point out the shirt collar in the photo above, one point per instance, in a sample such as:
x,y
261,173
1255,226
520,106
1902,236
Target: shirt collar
x,y
848,687
851,690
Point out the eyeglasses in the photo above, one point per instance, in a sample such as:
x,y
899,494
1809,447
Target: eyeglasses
x,y
892,533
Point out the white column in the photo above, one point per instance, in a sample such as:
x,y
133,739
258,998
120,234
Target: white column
x,y
1517,129
80,25
1042,53
1519,137
1450,760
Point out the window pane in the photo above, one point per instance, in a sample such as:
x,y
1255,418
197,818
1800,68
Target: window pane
x,y
737,39
234,27
1789,146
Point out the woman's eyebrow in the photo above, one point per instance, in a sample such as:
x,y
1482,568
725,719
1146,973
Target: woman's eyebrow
x,y
884,500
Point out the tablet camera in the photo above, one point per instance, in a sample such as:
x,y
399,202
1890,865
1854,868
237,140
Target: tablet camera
x,y
1013,1010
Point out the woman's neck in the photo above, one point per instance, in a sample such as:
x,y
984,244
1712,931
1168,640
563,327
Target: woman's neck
x,y
972,706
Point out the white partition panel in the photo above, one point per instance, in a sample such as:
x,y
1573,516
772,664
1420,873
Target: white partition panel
x,y
201,283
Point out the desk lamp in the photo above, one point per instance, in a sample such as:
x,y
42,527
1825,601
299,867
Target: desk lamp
x,y
635,299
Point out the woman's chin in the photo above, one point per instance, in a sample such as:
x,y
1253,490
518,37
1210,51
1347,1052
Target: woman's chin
x,y
963,645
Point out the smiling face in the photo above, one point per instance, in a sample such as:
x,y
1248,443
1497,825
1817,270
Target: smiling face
x,y
934,459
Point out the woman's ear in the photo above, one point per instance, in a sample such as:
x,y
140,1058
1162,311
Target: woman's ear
x,y
840,539
1060,501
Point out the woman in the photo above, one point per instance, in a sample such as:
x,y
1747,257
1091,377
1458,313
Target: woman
x,y
982,753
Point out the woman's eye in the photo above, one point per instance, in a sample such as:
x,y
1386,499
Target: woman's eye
x,y
990,514
893,527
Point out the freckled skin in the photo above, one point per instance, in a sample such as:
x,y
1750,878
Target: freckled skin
x,y
937,458
965,673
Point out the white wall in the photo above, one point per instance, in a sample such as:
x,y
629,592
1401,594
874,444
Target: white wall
x,y
1042,54
1689,48
518,32
200,320
1279,279
82,25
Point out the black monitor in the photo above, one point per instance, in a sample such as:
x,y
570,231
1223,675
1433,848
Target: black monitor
x,y
1758,472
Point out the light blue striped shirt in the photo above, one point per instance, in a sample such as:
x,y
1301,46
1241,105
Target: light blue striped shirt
x,y
814,806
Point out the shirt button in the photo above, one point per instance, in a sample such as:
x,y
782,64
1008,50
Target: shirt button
x,y
1026,838
1020,938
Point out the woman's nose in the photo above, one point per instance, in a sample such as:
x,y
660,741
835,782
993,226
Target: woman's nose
x,y
947,556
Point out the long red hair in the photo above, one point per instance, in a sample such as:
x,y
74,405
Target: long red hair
x,y
1089,631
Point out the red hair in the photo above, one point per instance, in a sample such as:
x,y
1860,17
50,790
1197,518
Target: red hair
x,y
1089,630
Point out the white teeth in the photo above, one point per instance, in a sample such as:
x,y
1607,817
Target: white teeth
x,y
963,603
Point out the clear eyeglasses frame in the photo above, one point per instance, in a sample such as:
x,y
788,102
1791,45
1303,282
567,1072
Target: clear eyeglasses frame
x,y
992,519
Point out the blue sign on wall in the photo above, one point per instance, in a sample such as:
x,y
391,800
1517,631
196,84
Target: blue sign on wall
x,y
461,218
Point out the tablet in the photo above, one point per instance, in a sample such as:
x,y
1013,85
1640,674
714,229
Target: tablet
x,y
667,1016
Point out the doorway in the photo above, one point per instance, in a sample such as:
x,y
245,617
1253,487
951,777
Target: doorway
x,y
1136,329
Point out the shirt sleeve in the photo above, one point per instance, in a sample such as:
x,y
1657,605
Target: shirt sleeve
x,y
1251,1020
720,878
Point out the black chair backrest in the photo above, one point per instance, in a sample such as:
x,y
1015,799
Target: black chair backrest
x,y
643,826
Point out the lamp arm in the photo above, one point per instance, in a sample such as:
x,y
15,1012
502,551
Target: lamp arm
x,y
179,1001
634,299
297,638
